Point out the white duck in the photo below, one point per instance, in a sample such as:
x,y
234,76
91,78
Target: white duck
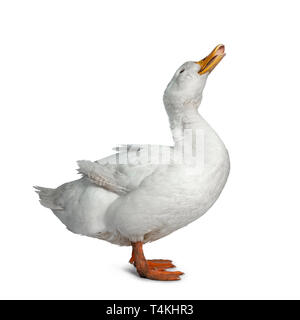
x,y
131,198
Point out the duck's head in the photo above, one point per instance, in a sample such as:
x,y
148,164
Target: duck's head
x,y
186,87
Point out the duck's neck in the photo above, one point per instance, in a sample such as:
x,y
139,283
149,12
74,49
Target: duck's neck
x,y
185,122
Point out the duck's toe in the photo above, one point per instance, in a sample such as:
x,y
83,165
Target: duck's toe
x,y
160,264
162,275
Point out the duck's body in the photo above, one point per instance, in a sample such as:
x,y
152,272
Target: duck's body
x,y
164,197
131,198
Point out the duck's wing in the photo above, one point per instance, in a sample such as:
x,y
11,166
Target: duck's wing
x,y
125,170
138,155
106,177
129,147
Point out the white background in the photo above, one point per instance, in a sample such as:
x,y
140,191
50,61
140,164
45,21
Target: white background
x,y
79,77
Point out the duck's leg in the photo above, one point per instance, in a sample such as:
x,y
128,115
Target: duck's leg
x,y
152,269
158,263
132,257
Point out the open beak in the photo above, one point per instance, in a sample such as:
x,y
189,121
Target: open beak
x,y
209,63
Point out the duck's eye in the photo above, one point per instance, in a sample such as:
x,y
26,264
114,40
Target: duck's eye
x,y
181,71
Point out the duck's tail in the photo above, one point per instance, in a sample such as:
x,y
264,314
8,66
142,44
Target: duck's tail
x,y
47,197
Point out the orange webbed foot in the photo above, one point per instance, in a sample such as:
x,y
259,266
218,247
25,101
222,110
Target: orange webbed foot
x,y
152,269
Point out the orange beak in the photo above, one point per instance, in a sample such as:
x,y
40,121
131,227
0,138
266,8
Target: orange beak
x,y
209,63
